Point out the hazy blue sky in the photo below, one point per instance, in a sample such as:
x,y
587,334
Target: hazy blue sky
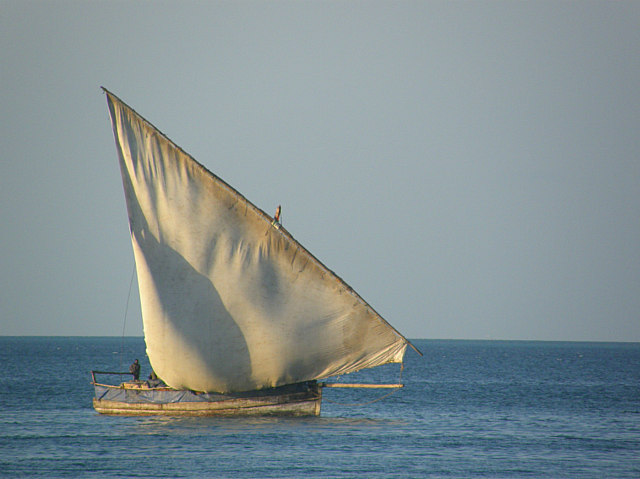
x,y
470,168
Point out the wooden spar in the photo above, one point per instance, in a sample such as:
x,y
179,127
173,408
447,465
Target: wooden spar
x,y
414,348
360,385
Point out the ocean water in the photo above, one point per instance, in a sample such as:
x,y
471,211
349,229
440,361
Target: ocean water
x,y
496,409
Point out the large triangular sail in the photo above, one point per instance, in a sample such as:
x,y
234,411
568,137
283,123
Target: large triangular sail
x,y
229,302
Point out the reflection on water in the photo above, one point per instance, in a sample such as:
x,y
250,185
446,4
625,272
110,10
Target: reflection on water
x,y
254,425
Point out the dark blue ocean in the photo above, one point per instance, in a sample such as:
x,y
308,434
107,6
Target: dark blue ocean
x,y
497,409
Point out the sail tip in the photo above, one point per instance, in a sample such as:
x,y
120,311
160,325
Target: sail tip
x,y
414,348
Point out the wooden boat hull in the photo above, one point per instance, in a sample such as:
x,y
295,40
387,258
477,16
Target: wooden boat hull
x,y
137,399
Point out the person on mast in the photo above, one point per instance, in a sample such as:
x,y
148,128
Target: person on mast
x,y
276,218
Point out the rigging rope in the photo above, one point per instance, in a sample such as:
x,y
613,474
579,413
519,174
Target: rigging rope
x,y
126,310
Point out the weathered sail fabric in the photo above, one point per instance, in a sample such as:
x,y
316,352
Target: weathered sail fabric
x,y
230,302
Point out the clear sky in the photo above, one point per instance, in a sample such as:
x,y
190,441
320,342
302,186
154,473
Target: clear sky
x,y
472,169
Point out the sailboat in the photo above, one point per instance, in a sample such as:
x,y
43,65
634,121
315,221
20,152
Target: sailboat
x,y
238,317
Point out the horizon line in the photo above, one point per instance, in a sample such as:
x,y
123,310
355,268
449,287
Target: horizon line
x,y
413,339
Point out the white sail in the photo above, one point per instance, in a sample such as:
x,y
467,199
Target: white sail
x,y
230,302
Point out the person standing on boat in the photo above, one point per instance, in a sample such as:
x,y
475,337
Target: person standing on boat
x,y
135,370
